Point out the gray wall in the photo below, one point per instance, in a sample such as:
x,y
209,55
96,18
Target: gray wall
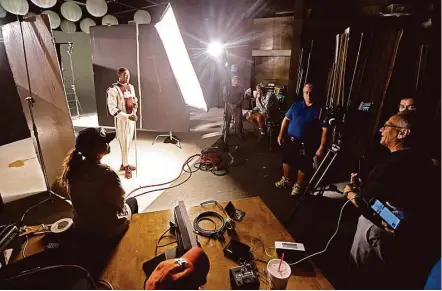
x,y
82,64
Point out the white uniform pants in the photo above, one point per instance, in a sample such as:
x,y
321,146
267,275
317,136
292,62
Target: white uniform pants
x,y
125,129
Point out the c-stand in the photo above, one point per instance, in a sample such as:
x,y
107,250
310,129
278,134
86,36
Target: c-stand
x,y
225,148
317,177
30,100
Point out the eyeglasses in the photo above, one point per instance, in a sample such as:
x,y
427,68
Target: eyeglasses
x,y
389,125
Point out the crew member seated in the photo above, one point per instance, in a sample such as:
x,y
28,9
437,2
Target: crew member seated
x,y
95,189
266,105
387,258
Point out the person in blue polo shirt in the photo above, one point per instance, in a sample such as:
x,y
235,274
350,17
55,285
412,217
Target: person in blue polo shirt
x,y
302,136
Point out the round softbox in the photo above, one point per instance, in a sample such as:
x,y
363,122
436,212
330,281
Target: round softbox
x,y
17,7
109,20
68,26
2,12
86,24
44,3
97,8
53,17
142,17
71,11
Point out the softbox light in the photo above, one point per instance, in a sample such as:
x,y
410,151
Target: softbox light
x,y
16,7
71,11
44,3
179,60
86,24
68,26
142,17
97,8
109,20
53,18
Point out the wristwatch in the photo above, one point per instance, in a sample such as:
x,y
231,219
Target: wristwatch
x,y
182,262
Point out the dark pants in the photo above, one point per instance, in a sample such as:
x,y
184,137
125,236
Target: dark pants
x,y
237,115
291,155
133,204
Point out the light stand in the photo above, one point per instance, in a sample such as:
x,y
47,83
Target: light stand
x,y
317,177
30,100
224,145
169,139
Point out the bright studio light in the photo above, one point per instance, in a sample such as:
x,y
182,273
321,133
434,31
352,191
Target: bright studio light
x,y
180,61
215,48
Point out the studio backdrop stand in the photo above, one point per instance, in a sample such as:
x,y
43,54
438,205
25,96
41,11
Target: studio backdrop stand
x,y
169,139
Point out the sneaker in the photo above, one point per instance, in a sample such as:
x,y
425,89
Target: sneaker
x,y
283,183
261,134
132,168
128,173
296,190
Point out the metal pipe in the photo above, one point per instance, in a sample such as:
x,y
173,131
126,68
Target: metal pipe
x,y
308,62
419,62
354,71
141,8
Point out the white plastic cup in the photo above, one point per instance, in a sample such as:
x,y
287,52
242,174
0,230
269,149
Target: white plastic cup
x,y
278,279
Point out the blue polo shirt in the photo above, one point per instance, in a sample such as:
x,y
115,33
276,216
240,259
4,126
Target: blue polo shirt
x,y
302,118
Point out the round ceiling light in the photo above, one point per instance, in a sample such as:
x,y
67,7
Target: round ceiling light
x,y
86,24
71,11
68,26
142,17
44,3
109,20
97,8
17,7
53,17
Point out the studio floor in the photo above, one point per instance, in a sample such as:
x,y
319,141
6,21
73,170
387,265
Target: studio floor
x,y
254,175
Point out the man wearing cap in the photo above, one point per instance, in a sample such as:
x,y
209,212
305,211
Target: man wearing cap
x,y
95,189
123,105
233,95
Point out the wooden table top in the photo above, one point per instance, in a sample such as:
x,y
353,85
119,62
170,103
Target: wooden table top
x,y
123,268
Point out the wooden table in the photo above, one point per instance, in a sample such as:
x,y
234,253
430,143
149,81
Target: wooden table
x,y
123,268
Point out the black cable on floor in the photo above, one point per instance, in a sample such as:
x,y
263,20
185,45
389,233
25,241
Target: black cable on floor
x,y
186,168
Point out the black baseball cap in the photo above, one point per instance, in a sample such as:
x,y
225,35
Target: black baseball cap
x,y
93,137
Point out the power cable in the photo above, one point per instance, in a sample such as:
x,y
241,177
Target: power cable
x,y
186,168
331,238
30,208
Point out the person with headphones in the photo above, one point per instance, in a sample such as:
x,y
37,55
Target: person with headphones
x,y
95,189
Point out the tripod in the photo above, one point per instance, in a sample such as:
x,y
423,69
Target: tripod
x,y
169,139
317,177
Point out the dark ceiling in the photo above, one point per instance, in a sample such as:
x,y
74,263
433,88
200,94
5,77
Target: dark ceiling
x,y
217,10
